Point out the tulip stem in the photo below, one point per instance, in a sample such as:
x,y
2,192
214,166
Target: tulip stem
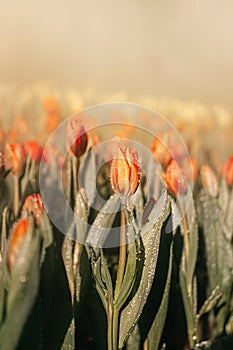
x,y
185,230
16,194
122,256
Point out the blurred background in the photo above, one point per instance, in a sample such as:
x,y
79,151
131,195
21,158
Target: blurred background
x,y
173,48
173,56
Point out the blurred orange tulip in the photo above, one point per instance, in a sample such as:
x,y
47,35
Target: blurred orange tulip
x,y
15,158
160,149
228,171
175,179
33,205
191,169
17,238
33,148
209,180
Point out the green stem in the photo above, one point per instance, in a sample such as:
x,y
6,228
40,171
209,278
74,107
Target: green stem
x,y
122,256
185,230
115,328
110,328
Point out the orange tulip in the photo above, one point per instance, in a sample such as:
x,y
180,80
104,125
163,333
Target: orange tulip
x,y
191,169
125,172
33,205
76,137
15,158
17,238
175,179
33,148
160,149
228,171
209,180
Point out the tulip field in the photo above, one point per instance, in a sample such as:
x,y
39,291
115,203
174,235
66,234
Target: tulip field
x,y
113,245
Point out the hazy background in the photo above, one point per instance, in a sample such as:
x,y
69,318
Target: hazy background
x,y
178,48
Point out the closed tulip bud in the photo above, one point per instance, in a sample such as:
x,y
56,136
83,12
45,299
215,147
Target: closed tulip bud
x,y
15,158
228,171
175,179
33,205
125,172
209,180
17,238
33,148
76,137
160,149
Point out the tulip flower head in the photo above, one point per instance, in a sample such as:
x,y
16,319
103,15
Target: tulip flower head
x,y
17,238
15,158
33,148
209,180
228,171
125,172
160,149
33,205
76,137
175,178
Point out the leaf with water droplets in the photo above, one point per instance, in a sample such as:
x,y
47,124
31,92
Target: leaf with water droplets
x,y
103,223
150,234
69,341
86,178
129,276
156,329
67,255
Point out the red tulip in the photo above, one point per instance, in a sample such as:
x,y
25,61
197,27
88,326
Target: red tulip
x,y
33,148
125,172
175,179
76,137
209,180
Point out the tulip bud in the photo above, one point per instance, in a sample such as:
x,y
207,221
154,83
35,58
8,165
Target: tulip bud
x,y
160,149
228,171
175,179
125,172
76,137
33,205
33,148
191,169
209,180
17,238
14,158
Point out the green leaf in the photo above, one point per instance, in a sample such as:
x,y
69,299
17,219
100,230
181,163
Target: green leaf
x,y
103,223
129,276
67,256
23,289
69,341
86,178
151,239
210,302
156,329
